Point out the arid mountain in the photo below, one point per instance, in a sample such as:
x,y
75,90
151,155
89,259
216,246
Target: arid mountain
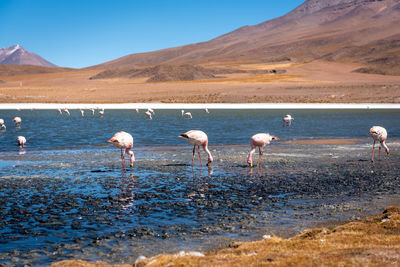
x,y
357,31
17,55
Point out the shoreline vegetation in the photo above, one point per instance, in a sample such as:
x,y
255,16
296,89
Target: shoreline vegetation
x,y
372,241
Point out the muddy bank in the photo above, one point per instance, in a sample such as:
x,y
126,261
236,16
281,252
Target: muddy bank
x,y
370,241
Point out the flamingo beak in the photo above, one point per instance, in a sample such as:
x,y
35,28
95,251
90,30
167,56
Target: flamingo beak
x,y
112,140
131,164
208,164
251,165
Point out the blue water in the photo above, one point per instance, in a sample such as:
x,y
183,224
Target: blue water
x,y
48,130
65,196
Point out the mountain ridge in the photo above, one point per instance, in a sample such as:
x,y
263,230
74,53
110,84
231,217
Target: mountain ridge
x,y
312,31
17,55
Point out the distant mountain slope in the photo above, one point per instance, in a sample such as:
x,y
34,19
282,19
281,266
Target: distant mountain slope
x,y
17,55
363,31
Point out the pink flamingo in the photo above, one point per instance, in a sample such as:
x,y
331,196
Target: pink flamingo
x,y
187,114
21,141
198,138
259,140
124,140
2,125
148,114
17,121
287,120
379,134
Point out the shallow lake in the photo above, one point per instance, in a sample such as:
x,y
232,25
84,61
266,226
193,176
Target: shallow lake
x,y
65,196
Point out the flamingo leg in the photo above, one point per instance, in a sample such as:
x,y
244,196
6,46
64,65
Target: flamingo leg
x,y
194,150
373,151
123,160
379,153
259,159
198,150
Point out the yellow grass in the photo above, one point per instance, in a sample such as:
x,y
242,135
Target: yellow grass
x,y
374,241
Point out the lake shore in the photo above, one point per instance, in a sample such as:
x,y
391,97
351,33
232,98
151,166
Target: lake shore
x,y
370,241
178,106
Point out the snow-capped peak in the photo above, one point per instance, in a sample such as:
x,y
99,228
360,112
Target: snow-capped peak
x,y
9,50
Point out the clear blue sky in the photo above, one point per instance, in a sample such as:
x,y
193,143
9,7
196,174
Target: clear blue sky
x,y
82,33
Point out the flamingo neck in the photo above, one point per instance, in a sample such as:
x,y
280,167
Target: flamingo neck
x,y
385,146
210,158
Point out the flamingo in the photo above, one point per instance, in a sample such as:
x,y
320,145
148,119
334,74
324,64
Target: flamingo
x,y
66,111
21,141
287,120
101,112
206,110
379,134
124,140
148,114
92,110
198,138
137,110
259,140
151,110
2,125
17,121
59,111
187,114
82,112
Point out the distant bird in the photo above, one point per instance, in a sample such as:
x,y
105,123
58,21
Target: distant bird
x,y
124,141
148,114
59,111
21,141
137,110
259,140
2,125
206,110
17,121
379,133
66,111
198,138
187,114
151,110
287,120
101,113
92,110
82,112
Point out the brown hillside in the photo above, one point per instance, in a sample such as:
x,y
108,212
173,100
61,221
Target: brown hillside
x,y
166,73
342,30
12,70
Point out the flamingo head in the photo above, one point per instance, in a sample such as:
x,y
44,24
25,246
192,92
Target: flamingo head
x,y
250,162
210,159
273,137
113,140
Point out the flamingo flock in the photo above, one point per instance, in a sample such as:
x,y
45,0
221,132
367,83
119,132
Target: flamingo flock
x,y
197,138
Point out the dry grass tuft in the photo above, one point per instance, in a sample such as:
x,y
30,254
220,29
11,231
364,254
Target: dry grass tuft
x,y
374,241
